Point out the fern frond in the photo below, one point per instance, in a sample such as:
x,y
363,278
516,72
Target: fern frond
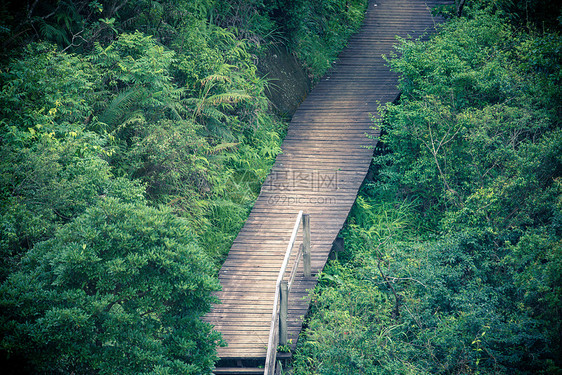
x,y
226,98
222,147
51,32
136,117
121,106
211,113
219,131
215,78
175,109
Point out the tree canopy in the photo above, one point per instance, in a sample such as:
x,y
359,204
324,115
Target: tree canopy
x,y
121,287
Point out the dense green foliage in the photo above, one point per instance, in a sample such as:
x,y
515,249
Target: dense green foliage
x,y
453,261
121,287
134,136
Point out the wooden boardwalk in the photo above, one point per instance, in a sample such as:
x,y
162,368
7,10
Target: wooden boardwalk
x,y
322,166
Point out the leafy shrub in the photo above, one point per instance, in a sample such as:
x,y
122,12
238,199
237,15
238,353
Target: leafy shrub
x,y
120,289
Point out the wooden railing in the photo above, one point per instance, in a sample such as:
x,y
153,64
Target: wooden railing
x,y
278,328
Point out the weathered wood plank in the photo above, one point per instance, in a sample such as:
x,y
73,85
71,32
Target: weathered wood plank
x,y
324,161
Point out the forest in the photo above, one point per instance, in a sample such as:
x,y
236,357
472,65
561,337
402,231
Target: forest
x,y
135,136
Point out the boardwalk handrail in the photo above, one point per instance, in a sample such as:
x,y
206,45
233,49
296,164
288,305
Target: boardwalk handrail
x,y
282,289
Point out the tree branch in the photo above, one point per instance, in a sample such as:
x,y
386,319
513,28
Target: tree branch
x,y
460,6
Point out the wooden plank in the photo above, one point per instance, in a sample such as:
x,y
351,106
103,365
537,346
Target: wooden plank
x,y
327,136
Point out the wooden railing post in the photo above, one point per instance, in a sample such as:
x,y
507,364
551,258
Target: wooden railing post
x,y
278,327
283,312
306,244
